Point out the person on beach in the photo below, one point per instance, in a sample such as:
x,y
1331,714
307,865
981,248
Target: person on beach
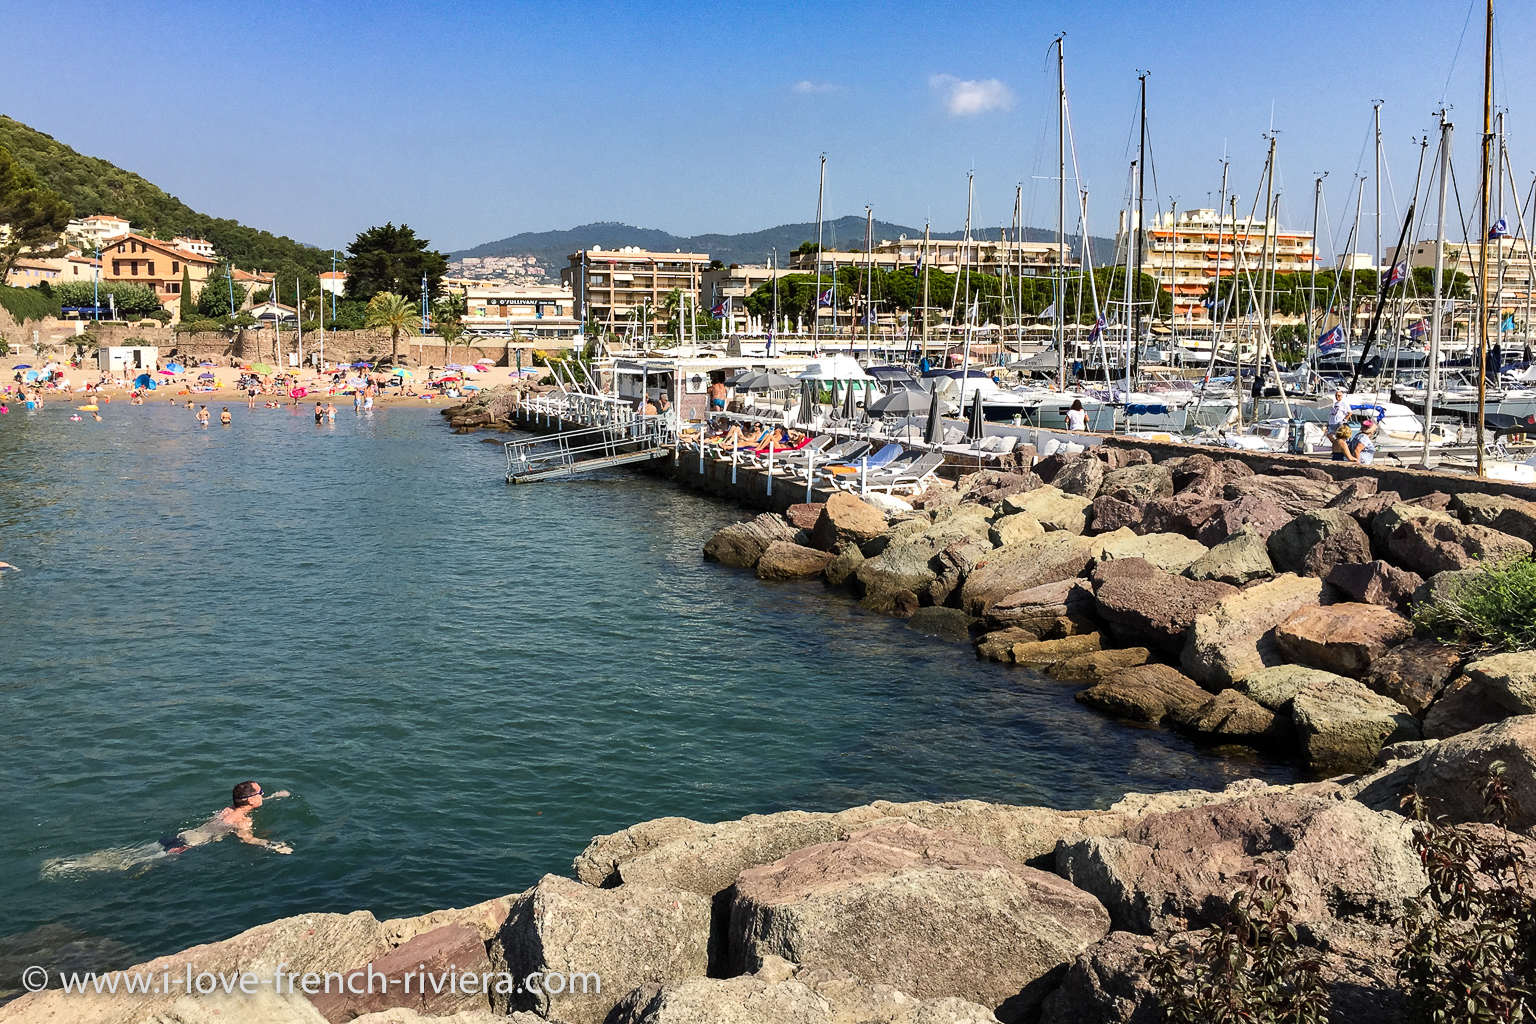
x,y
250,397
225,418
202,416
716,392
1342,452
1077,418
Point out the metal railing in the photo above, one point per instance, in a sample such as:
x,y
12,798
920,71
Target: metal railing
x,y
578,407
570,450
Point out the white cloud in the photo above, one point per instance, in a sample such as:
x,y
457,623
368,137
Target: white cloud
x,y
966,98
806,87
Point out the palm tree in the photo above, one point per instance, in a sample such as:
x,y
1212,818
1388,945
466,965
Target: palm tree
x,y
448,320
393,313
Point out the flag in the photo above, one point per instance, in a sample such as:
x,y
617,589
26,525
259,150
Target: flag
x,y
917,268
1331,339
868,319
1399,272
718,312
1049,312
1098,329
1500,229
1508,324
1418,330
825,298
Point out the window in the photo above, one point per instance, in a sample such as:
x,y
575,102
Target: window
x,y
173,287
135,267
119,246
151,268
175,267
117,268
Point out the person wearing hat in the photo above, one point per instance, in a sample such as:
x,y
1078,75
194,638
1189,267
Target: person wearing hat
x,y
1363,446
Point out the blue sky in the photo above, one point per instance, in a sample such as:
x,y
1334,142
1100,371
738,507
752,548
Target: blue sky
x,y
473,121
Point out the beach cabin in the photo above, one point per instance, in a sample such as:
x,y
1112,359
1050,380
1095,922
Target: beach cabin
x,y
127,360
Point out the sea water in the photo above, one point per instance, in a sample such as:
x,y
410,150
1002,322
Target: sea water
x,y
460,681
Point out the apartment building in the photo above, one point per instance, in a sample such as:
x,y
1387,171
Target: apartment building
x,y
95,232
1017,259
157,264
334,282
201,246
1509,268
1186,256
528,311
726,288
613,286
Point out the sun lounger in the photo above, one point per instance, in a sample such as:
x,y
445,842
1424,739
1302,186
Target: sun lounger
x,y
911,478
835,455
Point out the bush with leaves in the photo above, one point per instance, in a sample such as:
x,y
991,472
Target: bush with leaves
x,y
1248,968
1494,610
1471,948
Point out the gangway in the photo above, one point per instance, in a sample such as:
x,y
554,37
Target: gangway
x,y
589,448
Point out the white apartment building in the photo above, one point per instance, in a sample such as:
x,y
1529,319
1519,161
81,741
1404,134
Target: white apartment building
x,y
96,231
544,311
612,286
1017,259
201,246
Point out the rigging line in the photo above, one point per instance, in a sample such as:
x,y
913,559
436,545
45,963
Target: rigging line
x,y
1349,243
1471,6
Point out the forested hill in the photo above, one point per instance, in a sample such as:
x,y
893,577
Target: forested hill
x,y
92,186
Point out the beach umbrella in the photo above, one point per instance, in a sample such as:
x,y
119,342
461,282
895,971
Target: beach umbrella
x,y
807,402
207,364
977,429
261,368
31,375
849,412
143,380
22,366
174,367
401,371
206,376
453,366
900,403
935,428
764,382
169,373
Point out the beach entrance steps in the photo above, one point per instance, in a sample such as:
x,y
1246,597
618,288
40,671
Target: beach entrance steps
x,y
570,452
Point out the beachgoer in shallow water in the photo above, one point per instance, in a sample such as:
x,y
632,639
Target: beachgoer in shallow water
x,y
225,418
330,412
202,416
319,412
96,416
368,403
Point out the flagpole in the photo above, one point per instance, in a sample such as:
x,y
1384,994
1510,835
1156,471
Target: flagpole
x,y
1433,367
1482,278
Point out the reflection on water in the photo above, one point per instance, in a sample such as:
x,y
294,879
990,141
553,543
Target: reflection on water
x,y
462,682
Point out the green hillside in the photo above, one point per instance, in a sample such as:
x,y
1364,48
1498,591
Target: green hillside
x,y
94,186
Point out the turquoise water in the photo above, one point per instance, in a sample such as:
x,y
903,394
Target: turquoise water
x,y
461,681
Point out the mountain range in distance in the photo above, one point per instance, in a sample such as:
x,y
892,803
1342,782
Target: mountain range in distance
x,y
552,248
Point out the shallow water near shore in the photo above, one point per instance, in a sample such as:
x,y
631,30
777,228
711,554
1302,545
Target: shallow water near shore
x,y
460,681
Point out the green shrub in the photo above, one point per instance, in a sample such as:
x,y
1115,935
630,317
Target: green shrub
x,y
28,303
1495,610
199,326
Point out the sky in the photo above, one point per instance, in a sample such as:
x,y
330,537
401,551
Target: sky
x,y
475,121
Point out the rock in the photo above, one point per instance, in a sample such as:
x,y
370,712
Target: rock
x,y
953,564
1450,776
1082,477
1091,668
742,544
998,645
1274,687
1109,983
1414,673
900,603
1293,494
1049,652
1365,510
1236,635
784,560
1108,514
1046,559
1433,546
1242,558
805,515
1315,541
1492,689
946,623
1055,510
1342,723
888,503
1141,601
626,936
1390,518
1354,490
1374,582
780,993
928,912
1233,718
1177,870
842,568
1436,501
1234,469
1188,471
453,946
845,519
1344,638
1443,586
1047,468
1038,607
1498,512
1148,693
1013,529
1170,552
1138,484
1184,514
1462,707
906,567
1256,510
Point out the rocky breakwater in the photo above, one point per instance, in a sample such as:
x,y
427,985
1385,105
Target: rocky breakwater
x,y
911,913
1258,609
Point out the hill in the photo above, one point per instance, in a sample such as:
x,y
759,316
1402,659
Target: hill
x,y
552,247
92,186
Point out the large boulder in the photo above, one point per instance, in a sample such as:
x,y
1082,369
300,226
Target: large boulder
x,y
784,560
742,544
626,936
1259,511
1274,687
1492,689
842,568
803,516
1038,608
1109,983
1498,512
1140,601
950,624
1147,693
1170,552
1374,582
1387,520
1242,558
1294,494
1184,514
1343,724
953,564
1015,529
1138,484
1090,668
1236,635
1429,546
1345,638
1443,587
1082,477
1047,559
1316,541
1050,652
1054,509
1414,673
1462,707
454,948
928,912
1452,774
845,519
1230,717
1178,870
1108,514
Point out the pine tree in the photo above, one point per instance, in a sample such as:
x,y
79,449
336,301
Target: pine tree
x,y
188,309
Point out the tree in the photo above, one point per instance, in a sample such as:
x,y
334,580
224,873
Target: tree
x,y
34,214
188,307
395,314
391,259
213,300
448,319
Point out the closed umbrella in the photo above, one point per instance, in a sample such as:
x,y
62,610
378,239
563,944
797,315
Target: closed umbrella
x,y
807,402
935,428
849,412
978,428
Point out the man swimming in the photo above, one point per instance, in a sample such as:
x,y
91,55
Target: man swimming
x,y
232,820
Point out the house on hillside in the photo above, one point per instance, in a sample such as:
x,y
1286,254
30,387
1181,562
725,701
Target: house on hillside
x,y
270,312
156,264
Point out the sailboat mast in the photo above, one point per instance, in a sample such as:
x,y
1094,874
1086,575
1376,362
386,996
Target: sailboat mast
x,y
1018,276
927,265
1433,368
821,191
1141,210
1376,115
869,280
1130,240
1481,366
1313,328
1060,303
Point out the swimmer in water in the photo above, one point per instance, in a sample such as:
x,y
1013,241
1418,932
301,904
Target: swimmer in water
x,y
232,820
